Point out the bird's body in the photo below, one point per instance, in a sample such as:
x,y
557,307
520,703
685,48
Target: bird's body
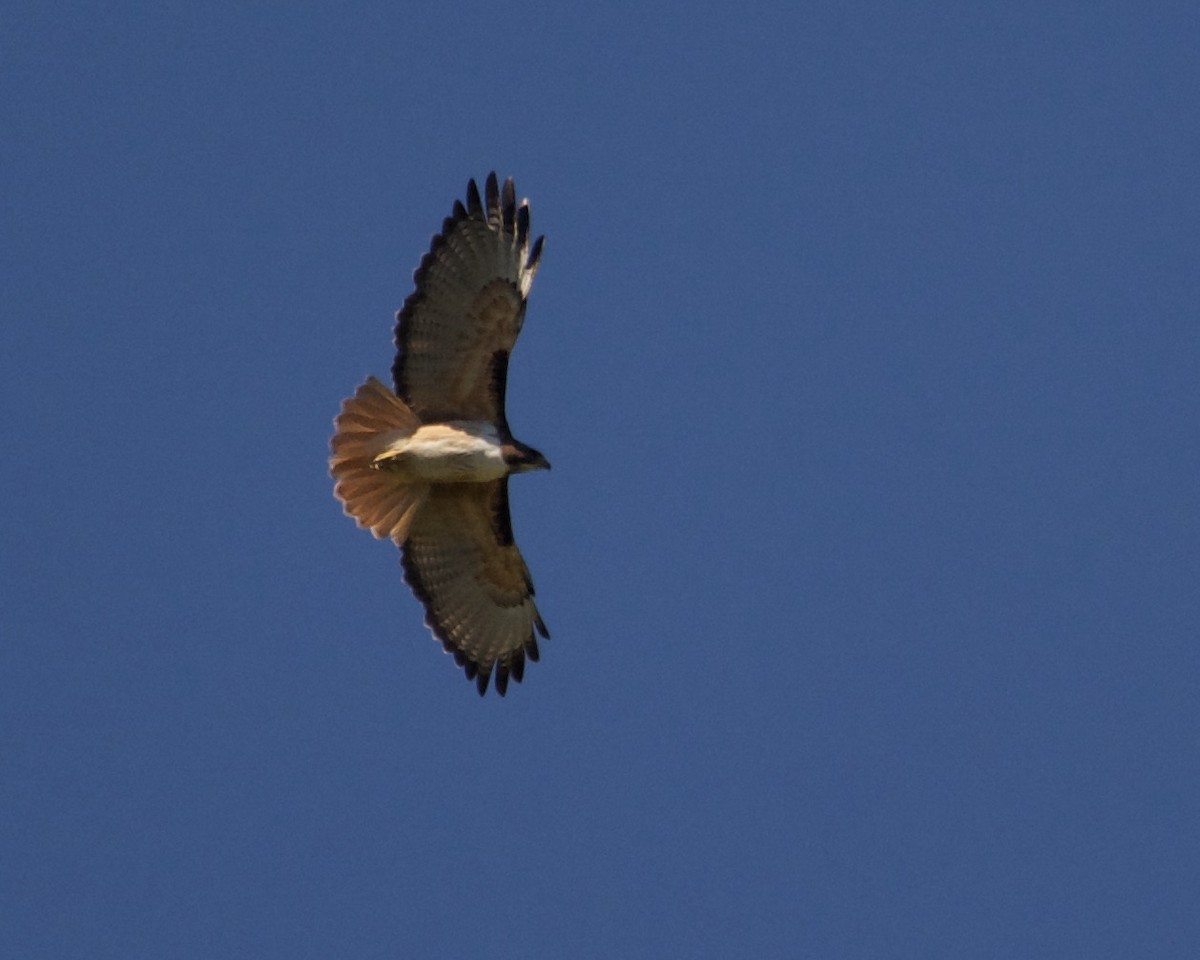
x,y
427,464
462,451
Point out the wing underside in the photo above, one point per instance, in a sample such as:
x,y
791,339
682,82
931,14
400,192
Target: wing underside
x,y
455,332
462,563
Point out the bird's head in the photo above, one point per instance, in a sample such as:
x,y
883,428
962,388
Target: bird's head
x,y
522,458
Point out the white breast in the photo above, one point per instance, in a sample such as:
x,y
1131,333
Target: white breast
x,y
457,452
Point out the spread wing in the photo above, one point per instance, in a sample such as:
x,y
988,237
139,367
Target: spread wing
x,y
462,563
456,330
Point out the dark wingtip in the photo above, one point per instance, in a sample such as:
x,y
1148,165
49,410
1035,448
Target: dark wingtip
x,y
473,203
522,225
535,255
502,678
531,649
491,191
481,682
509,204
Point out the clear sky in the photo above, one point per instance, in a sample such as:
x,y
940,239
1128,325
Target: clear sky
x,y
866,350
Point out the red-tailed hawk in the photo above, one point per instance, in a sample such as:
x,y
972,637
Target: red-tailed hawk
x,y
428,464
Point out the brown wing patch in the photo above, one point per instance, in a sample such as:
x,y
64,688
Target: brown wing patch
x,y
476,589
468,305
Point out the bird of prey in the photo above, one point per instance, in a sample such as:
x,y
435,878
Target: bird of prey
x,y
427,464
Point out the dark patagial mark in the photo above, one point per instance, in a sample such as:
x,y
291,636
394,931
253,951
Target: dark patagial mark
x,y
501,516
499,390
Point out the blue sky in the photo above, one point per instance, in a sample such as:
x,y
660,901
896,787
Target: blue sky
x,y
865,348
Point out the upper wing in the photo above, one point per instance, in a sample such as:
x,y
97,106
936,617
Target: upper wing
x,y
456,330
461,562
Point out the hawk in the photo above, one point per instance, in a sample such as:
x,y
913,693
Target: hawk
x,y
427,464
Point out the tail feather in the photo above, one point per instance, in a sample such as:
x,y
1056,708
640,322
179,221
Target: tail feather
x,y
368,422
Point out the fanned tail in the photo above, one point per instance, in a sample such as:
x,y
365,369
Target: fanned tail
x,y
368,422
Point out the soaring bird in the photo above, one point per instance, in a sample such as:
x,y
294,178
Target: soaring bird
x,y
427,464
